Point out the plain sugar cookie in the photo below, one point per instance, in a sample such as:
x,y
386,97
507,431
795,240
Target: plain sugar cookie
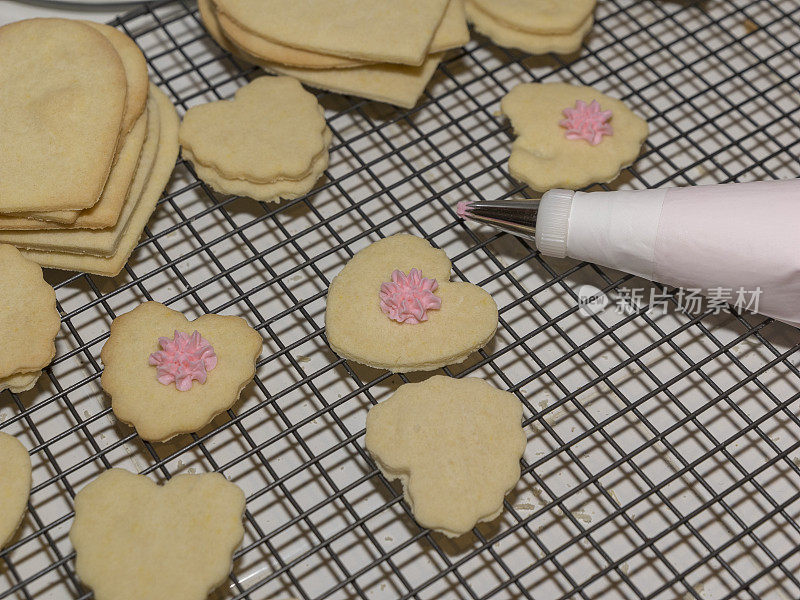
x,y
534,43
570,136
20,383
15,486
285,189
126,234
400,85
380,309
548,17
270,142
136,76
270,51
135,66
99,242
167,375
63,90
136,540
455,444
272,129
364,30
29,320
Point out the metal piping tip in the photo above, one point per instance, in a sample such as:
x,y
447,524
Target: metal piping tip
x,y
516,216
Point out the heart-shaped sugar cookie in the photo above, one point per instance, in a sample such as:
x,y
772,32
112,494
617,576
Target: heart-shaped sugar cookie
x,y
358,328
399,31
62,98
570,136
156,374
454,443
136,540
272,130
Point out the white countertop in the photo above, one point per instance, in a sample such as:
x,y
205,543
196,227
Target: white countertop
x,y
14,10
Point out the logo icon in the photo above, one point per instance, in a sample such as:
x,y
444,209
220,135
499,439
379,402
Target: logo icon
x,y
591,300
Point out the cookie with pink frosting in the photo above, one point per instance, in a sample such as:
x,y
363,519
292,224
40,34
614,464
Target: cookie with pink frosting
x,y
394,307
570,136
167,375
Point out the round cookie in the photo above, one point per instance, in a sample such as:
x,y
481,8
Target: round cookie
x,y
272,130
62,96
136,540
547,17
144,350
547,155
358,329
29,320
455,444
15,486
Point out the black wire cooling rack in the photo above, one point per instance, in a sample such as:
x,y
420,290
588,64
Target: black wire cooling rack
x,y
664,445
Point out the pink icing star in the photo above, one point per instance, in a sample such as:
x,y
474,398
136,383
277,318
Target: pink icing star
x,y
462,208
183,359
408,298
587,122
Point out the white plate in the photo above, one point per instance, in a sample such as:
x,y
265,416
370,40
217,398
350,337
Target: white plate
x,y
88,3
95,10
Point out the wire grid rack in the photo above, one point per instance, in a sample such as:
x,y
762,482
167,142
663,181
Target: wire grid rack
x,y
663,445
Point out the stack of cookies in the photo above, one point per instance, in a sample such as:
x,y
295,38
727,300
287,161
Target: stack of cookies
x,y
87,144
358,48
535,26
270,142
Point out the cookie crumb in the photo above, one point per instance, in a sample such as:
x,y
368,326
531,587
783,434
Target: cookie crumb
x,y
750,26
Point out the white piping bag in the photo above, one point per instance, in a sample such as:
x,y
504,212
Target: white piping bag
x,y
739,236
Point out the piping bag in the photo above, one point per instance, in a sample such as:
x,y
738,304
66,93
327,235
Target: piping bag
x,y
732,236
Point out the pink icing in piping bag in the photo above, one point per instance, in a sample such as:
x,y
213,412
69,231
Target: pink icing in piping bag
x,y
587,122
408,298
462,208
183,359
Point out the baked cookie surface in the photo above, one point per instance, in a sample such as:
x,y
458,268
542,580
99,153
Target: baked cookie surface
x,y
63,91
135,539
401,85
532,42
269,142
364,30
105,252
535,26
163,380
29,320
271,130
136,76
455,444
548,17
358,328
570,136
15,485
282,189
